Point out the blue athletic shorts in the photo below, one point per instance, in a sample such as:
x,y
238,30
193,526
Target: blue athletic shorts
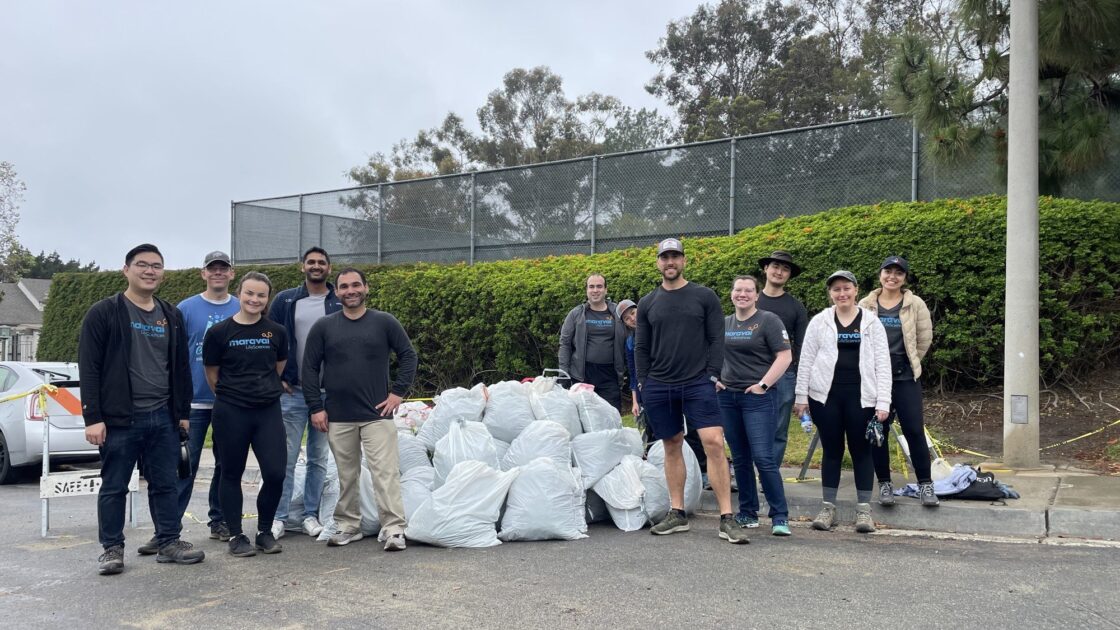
x,y
667,404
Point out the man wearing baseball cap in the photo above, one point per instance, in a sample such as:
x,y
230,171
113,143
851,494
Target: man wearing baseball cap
x,y
779,269
200,313
678,350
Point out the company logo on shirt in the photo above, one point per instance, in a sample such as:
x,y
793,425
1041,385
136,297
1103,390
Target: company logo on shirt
x,y
747,333
891,322
849,337
601,323
253,343
159,329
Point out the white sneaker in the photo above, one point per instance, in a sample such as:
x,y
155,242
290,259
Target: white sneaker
x,y
395,543
277,529
312,527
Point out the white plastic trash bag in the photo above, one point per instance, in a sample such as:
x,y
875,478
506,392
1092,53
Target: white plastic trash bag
x,y
598,453
622,490
595,414
464,441
545,503
551,402
596,508
508,411
371,519
462,513
542,438
328,500
693,483
411,452
656,500
456,403
410,416
416,488
501,448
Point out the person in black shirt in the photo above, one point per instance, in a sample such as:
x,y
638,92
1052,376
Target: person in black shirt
x,y
678,348
347,355
779,268
243,357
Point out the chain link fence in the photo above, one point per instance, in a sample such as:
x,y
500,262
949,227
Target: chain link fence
x,y
621,200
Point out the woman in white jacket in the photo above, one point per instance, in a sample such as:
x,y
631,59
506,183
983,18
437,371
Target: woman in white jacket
x,y
844,380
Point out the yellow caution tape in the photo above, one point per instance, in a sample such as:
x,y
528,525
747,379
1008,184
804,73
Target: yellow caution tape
x,y
956,449
41,390
1082,436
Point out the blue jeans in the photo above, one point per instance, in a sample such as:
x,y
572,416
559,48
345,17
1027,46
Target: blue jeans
x,y
200,422
748,425
155,436
784,387
297,420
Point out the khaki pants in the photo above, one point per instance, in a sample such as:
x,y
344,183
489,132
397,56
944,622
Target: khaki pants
x,y
378,440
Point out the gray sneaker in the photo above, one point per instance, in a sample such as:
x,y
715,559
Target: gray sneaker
x,y
826,518
730,531
149,548
886,493
112,561
864,524
180,552
928,496
344,538
395,543
674,522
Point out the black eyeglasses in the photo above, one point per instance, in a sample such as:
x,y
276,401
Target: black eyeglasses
x,y
144,266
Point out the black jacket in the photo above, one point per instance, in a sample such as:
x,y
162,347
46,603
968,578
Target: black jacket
x,y
104,347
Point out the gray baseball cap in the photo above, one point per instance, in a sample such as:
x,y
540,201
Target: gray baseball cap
x,y
841,274
670,245
216,256
624,306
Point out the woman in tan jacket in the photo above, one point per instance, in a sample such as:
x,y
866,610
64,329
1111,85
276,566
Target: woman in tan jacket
x,y
909,333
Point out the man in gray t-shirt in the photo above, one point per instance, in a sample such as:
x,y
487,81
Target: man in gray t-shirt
x,y
147,360
593,343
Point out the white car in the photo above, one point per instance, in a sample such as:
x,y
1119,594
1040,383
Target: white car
x,y
21,420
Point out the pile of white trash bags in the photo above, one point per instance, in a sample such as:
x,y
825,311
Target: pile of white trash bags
x,y
524,461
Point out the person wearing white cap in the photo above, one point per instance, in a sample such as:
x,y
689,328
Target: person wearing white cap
x,y
909,335
844,380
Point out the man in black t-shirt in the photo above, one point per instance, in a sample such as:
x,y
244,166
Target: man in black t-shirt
x,y
678,348
136,395
779,269
347,355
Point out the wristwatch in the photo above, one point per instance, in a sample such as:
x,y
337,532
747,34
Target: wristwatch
x,y
764,386
713,379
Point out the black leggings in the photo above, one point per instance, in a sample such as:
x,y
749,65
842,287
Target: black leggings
x,y
235,430
842,415
906,402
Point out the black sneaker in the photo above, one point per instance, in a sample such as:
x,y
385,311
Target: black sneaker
x,y
239,546
180,552
112,561
220,531
267,544
149,548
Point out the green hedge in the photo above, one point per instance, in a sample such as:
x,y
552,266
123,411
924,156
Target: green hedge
x,y
497,320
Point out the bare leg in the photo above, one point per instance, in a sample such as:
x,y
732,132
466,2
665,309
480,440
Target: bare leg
x,y
674,470
718,474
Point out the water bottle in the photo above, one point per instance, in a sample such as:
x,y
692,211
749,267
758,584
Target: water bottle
x,y
806,423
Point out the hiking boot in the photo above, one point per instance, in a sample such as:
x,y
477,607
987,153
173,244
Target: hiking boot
x,y
675,521
312,527
886,493
928,496
112,561
180,552
344,538
750,522
395,543
220,531
266,543
780,527
864,524
730,531
149,548
826,518
278,529
239,546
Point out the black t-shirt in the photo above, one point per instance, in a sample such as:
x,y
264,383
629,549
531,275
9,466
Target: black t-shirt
x,y
848,339
892,322
794,317
680,334
246,357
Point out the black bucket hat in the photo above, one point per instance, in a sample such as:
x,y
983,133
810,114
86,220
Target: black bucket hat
x,y
784,257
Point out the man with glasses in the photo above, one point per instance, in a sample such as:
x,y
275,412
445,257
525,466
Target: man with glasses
x,y
297,309
136,395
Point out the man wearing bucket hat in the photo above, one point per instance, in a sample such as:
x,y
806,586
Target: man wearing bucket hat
x,y
779,268
678,350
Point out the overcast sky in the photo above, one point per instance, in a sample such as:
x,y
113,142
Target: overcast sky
x,y
141,121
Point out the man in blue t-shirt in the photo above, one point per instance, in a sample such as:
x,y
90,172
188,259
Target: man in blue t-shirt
x,y
200,313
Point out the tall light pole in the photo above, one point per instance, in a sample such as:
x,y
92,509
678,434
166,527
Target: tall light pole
x,y
1020,371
